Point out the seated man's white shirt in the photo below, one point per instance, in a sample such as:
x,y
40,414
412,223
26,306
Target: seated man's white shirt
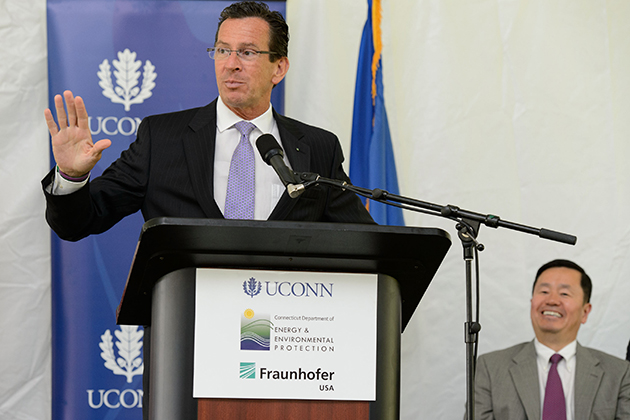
x,y
566,371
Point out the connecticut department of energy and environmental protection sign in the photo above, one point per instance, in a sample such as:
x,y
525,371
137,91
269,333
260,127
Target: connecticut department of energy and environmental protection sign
x,y
285,335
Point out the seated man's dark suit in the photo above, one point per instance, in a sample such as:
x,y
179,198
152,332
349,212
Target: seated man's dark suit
x,y
507,387
168,172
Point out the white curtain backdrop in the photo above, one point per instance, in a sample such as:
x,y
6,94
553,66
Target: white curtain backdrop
x,y
512,107
24,235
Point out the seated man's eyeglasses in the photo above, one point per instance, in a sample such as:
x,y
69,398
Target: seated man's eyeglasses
x,y
246,54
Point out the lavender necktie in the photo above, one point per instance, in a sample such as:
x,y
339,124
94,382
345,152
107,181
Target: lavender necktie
x,y
554,407
239,201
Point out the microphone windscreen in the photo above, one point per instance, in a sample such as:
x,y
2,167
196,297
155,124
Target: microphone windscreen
x,y
265,144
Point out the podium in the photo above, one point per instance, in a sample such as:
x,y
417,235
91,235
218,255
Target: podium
x,y
160,293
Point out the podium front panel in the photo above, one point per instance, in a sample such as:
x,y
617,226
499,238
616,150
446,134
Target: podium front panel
x,y
277,334
171,363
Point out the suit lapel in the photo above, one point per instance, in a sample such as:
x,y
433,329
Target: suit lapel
x,y
524,373
199,144
299,155
297,151
588,376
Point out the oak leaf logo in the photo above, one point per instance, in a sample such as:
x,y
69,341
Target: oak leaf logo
x,y
127,75
251,287
129,361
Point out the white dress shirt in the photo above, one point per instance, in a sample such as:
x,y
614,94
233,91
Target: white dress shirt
x,y
566,371
269,188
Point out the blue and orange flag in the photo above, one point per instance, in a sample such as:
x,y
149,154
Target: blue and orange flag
x,y
372,162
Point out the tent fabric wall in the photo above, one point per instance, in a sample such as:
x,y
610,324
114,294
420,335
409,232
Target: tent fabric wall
x,y
516,108
512,107
24,236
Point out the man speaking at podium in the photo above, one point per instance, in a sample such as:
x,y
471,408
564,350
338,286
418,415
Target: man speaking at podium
x,y
201,163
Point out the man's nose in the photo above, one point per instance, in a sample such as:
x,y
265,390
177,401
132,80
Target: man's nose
x,y
553,298
233,61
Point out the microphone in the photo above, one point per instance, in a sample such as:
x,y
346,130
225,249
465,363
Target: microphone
x,y
296,183
272,154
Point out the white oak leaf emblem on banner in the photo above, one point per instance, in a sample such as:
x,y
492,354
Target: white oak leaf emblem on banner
x,y
127,74
129,361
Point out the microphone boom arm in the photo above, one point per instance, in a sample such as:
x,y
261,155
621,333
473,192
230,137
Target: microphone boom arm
x,y
448,211
468,223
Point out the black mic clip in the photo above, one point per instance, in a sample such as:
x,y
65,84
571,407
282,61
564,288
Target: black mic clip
x,y
311,179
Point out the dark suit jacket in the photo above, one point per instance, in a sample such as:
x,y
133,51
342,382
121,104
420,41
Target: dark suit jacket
x,y
168,172
506,385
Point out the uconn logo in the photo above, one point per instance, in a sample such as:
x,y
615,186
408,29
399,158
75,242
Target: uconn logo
x,y
126,81
114,398
122,355
252,288
113,126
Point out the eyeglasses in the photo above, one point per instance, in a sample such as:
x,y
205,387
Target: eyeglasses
x,y
245,54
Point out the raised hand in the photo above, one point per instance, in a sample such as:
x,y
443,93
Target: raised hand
x,y
72,145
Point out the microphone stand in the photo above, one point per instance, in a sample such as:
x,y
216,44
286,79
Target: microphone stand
x,y
467,226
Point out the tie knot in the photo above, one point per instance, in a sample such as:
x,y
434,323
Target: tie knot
x,y
555,359
244,127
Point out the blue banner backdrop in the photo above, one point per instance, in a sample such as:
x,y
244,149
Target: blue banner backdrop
x,y
127,59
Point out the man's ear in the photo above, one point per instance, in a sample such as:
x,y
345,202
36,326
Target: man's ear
x,y
282,67
587,310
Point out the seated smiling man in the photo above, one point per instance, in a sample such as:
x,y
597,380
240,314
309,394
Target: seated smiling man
x,y
553,377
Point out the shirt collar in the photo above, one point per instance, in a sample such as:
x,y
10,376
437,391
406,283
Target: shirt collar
x,y
226,118
544,353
